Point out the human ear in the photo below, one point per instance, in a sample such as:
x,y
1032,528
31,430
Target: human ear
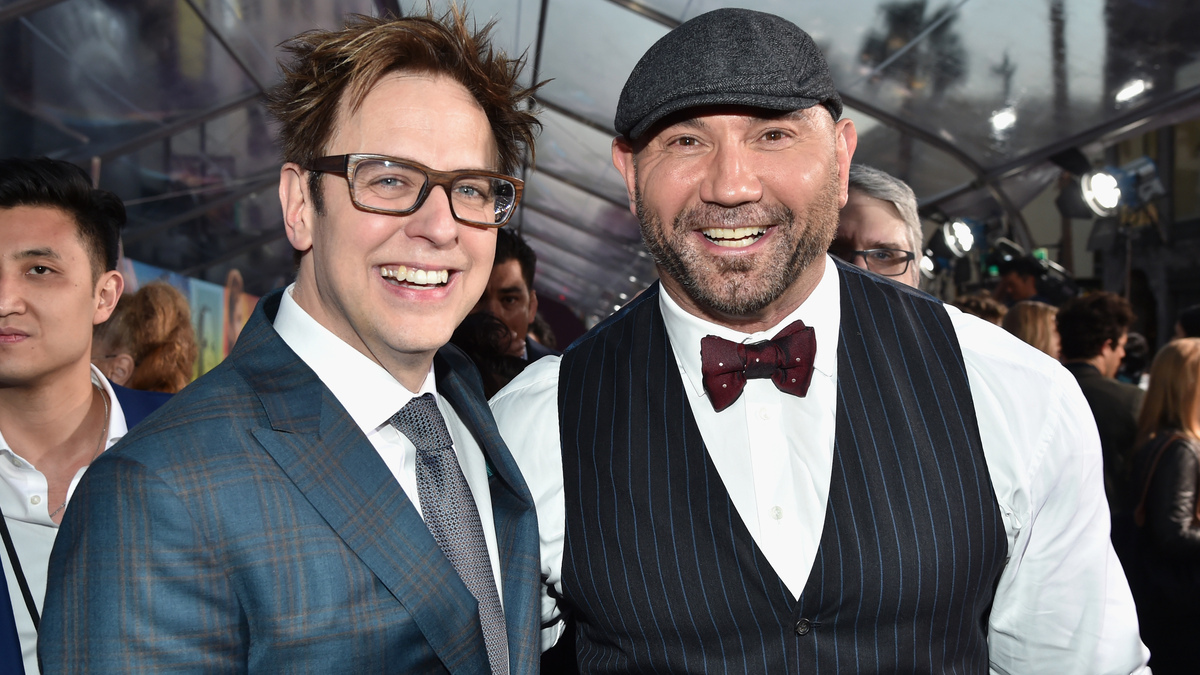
x,y
296,203
846,140
626,164
108,293
120,369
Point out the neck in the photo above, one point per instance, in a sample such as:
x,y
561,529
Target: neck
x,y
764,319
53,420
1096,362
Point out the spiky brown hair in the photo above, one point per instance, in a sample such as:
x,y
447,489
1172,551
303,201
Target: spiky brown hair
x,y
329,66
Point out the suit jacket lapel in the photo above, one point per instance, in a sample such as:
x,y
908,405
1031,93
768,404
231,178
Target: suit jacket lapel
x,y
322,451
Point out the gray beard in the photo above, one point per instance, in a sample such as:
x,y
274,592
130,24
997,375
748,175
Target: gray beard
x,y
747,285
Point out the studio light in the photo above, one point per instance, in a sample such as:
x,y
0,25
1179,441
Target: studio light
x,y
959,238
1101,192
952,241
928,268
1132,186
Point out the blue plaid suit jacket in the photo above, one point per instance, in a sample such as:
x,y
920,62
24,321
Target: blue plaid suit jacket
x,y
249,526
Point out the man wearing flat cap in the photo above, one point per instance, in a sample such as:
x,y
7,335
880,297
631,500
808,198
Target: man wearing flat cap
x,y
774,462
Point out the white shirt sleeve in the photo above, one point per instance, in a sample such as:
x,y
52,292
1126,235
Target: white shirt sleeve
x,y
1062,605
526,414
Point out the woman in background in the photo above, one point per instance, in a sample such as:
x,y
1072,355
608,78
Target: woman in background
x,y
148,343
1033,322
1163,556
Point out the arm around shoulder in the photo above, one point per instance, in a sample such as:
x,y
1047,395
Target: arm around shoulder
x,y
133,586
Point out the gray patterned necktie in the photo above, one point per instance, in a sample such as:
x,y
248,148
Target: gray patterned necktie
x,y
452,519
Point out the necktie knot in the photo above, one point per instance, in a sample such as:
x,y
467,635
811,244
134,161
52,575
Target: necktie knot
x,y
421,421
787,359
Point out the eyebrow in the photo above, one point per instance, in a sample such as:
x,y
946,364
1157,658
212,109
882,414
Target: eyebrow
x,y
39,253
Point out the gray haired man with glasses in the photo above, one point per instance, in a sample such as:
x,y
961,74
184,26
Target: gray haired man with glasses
x,y
878,228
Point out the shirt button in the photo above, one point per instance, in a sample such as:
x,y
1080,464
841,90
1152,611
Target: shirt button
x,y
15,462
776,512
764,414
35,500
803,627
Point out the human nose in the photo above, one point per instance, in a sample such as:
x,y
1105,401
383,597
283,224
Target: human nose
x,y
434,220
730,179
10,299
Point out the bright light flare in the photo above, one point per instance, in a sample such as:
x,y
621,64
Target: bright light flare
x,y
1132,90
962,232
1101,192
958,238
1004,119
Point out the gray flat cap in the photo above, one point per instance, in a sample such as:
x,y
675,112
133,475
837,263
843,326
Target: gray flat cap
x,y
726,57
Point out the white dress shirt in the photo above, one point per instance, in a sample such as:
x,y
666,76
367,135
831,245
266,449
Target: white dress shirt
x,y
371,396
27,511
1062,604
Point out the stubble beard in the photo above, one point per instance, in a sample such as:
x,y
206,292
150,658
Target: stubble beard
x,y
746,285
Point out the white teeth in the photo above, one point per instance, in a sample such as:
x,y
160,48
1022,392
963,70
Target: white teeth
x,y
733,237
415,276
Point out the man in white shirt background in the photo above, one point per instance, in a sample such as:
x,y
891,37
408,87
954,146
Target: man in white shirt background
x,y
772,462
58,279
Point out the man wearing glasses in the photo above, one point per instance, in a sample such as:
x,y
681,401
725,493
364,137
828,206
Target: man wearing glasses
x,y
878,228
334,497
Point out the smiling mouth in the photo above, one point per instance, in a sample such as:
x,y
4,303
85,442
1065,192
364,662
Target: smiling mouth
x,y
411,277
733,237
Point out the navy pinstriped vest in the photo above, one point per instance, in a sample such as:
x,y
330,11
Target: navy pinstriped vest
x,y
662,574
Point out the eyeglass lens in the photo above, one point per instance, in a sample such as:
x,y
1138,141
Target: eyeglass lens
x,y
393,186
888,262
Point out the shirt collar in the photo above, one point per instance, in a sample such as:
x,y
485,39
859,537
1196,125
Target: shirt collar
x,y
365,389
821,311
117,428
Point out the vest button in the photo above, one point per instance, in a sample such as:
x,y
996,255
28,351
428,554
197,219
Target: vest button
x,y
803,627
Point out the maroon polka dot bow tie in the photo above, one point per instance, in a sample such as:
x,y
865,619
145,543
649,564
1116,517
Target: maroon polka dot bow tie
x,y
787,359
